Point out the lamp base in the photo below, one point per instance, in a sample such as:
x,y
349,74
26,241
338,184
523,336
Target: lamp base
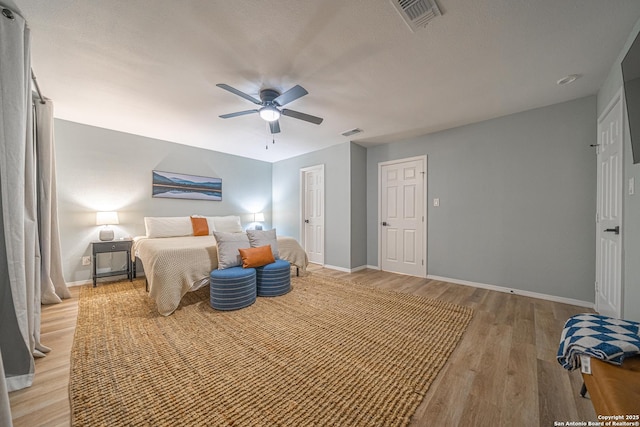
x,y
106,235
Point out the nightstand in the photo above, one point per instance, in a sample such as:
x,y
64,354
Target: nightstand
x,y
111,247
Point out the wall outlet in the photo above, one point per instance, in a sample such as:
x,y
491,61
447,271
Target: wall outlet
x,y
86,260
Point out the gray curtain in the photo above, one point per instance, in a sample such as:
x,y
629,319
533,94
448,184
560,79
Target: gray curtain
x,y
8,323
20,299
52,280
5,408
28,212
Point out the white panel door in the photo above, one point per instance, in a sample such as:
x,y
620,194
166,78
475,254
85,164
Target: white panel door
x,y
402,222
313,212
609,211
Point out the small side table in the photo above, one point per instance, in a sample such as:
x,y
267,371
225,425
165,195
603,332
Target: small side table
x,y
100,247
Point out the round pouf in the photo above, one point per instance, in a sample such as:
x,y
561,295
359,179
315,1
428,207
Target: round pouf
x,y
274,279
232,288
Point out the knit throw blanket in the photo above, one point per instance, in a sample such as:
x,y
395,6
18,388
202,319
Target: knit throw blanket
x,y
597,336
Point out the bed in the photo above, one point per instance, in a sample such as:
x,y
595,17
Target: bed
x,y
176,265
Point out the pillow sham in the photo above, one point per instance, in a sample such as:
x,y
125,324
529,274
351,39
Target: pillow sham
x,y
168,226
200,226
229,245
211,224
256,257
264,237
227,224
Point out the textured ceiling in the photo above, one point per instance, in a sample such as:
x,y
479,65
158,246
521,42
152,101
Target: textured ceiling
x,y
149,67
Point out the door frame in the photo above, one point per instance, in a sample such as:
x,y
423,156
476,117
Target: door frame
x,y
618,98
425,203
304,170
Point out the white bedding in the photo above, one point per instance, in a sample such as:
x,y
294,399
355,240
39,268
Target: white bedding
x,y
176,265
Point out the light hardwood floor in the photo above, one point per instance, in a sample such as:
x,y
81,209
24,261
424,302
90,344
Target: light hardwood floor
x,y
503,372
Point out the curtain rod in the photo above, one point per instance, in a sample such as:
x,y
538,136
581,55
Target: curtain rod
x,y
35,82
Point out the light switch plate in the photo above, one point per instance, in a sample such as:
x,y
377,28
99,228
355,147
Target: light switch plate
x,y
632,186
436,202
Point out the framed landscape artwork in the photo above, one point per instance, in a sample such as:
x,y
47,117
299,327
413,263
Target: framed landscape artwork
x,y
180,186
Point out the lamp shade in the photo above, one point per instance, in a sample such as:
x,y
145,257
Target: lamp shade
x,y
258,217
107,218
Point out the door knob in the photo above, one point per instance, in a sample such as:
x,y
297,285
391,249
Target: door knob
x,y
385,224
615,230
306,221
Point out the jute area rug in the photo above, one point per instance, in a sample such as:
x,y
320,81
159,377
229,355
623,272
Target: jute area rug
x,y
328,353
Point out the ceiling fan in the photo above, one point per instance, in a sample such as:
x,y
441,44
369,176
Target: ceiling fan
x,y
271,102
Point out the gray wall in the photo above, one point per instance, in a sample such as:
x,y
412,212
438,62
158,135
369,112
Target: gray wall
x,y
100,169
517,200
631,204
286,199
358,206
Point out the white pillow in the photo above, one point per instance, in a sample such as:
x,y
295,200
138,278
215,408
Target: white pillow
x,y
168,226
211,224
262,238
228,245
227,224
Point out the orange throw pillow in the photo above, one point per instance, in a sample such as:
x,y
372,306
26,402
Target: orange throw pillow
x,y
200,226
256,257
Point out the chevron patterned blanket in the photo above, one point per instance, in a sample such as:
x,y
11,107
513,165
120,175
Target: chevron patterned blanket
x,y
601,337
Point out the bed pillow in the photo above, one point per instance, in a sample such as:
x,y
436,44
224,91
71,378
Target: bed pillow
x,y
256,257
229,245
210,223
168,226
264,237
227,224
200,226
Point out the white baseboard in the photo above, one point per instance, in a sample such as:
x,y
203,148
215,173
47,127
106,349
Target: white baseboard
x,y
351,270
346,270
79,283
553,298
90,281
335,267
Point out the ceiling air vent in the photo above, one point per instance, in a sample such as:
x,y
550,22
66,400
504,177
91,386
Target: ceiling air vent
x,y
351,132
417,13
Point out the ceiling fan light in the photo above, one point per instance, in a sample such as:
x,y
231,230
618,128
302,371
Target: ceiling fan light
x,y
269,113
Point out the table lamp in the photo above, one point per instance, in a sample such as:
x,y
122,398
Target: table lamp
x,y
106,219
258,217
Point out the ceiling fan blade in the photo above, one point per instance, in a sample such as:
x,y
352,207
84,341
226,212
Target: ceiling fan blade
x,y
302,116
291,95
239,113
237,92
275,126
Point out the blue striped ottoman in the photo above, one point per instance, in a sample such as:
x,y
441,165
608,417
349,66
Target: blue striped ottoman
x,y
232,288
274,279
